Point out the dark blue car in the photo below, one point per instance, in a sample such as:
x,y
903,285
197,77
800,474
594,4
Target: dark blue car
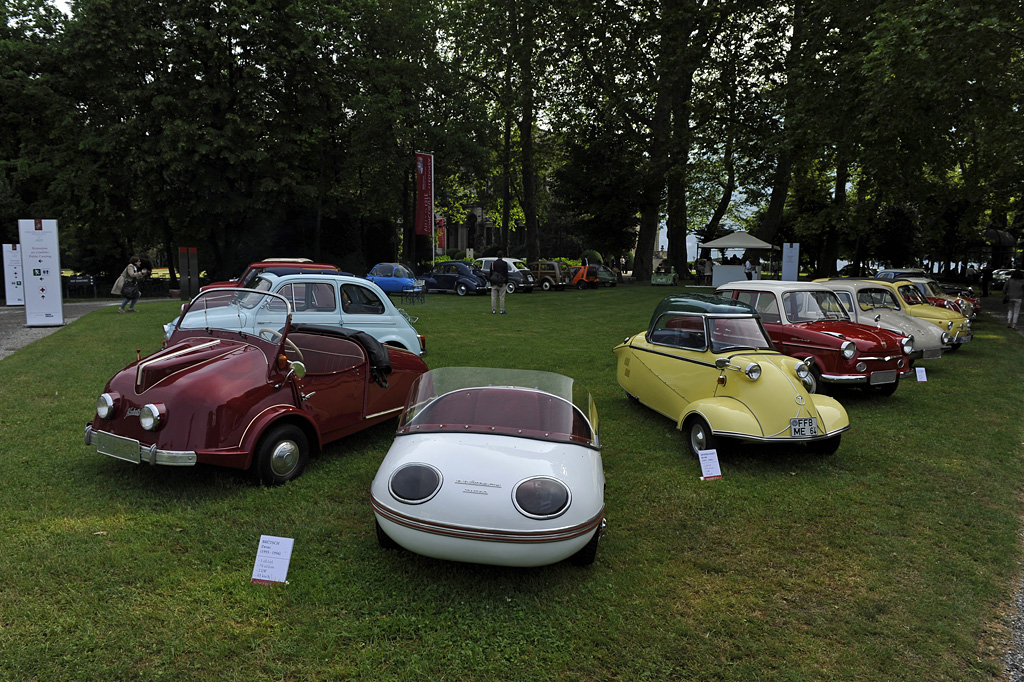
x,y
457,276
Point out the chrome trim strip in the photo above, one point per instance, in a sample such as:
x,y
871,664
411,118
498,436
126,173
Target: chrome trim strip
x,y
487,534
150,360
763,439
381,414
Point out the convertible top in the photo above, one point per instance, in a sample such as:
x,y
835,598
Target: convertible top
x,y
377,352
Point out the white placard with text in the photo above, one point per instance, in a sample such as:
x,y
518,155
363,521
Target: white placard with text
x,y
272,559
709,465
14,283
921,374
40,263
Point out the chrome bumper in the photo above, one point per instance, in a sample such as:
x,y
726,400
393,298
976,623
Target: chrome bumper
x,y
133,451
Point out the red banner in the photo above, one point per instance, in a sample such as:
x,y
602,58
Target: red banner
x,y
424,193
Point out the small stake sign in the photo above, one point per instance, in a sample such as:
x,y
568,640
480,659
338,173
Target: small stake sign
x,y
921,376
709,465
272,559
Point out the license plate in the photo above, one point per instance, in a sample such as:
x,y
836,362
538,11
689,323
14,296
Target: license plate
x,y
885,377
117,446
803,426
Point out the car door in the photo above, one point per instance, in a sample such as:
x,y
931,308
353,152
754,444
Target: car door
x,y
333,392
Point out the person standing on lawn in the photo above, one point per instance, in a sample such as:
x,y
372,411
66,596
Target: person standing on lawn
x,y
1013,292
499,283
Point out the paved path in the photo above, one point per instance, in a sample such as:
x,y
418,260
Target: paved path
x,y
14,334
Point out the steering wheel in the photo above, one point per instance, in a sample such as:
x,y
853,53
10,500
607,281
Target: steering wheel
x,y
272,335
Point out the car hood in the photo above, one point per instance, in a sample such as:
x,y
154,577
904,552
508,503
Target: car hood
x,y
865,337
194,355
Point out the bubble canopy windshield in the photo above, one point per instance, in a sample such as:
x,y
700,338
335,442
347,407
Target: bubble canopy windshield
x,y
506,402
238,310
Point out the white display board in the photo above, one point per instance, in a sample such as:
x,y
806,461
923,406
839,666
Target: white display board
x,y
709,466
14,284
272,559
40,262
790,262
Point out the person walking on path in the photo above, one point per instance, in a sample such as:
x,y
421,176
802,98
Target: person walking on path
x,y
128,285
1013,292
499,283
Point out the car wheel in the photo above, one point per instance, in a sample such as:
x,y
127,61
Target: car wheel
x,y
827,446
887,389
546,285
510,287
581,285
699,436
588,553
383,539
281,454
461,289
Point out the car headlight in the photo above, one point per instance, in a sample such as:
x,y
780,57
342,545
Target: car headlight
x,y
945,338
949,325
541,497
849,349
802,370
151,416
970,323
415,483
753,371
908,345
106,405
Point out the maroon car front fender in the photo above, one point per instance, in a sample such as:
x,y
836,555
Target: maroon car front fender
x,y
277,414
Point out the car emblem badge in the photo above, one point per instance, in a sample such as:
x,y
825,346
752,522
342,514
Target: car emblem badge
x,y
799,400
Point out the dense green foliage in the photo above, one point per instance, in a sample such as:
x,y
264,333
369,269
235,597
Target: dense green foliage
x,y
891,560
863,130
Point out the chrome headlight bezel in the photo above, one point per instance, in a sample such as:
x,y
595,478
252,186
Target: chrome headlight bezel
x,y
944,338
406,483
541,497
801,370
848,349
908,344
106,405
753,371
152,416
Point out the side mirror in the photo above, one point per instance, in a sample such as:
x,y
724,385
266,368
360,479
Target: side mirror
x,y
298,369
722,363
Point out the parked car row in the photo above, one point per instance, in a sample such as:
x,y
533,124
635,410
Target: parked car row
x,y
500,466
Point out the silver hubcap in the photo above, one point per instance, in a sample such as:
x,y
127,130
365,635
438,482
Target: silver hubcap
x,y
285,458
698,437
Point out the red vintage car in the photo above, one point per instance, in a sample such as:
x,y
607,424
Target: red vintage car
x,y
238,385
806,321
277,266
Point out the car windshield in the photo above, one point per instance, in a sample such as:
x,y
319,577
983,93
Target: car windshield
x,y
507,402
733,333
868,299
811,306
911,295
935,289
246,311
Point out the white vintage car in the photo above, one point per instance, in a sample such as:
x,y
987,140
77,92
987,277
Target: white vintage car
x,y
869,302
493,466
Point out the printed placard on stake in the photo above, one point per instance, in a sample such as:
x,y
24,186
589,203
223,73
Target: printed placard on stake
x,y
14,284
272,559
40,264
709,465
921,375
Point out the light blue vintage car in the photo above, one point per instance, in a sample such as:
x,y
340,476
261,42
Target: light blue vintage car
x,y
323,300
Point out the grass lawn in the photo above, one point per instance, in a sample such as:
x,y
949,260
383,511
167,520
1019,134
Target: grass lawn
x,y
890,560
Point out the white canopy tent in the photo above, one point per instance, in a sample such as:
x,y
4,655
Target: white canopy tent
x,y
736,240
